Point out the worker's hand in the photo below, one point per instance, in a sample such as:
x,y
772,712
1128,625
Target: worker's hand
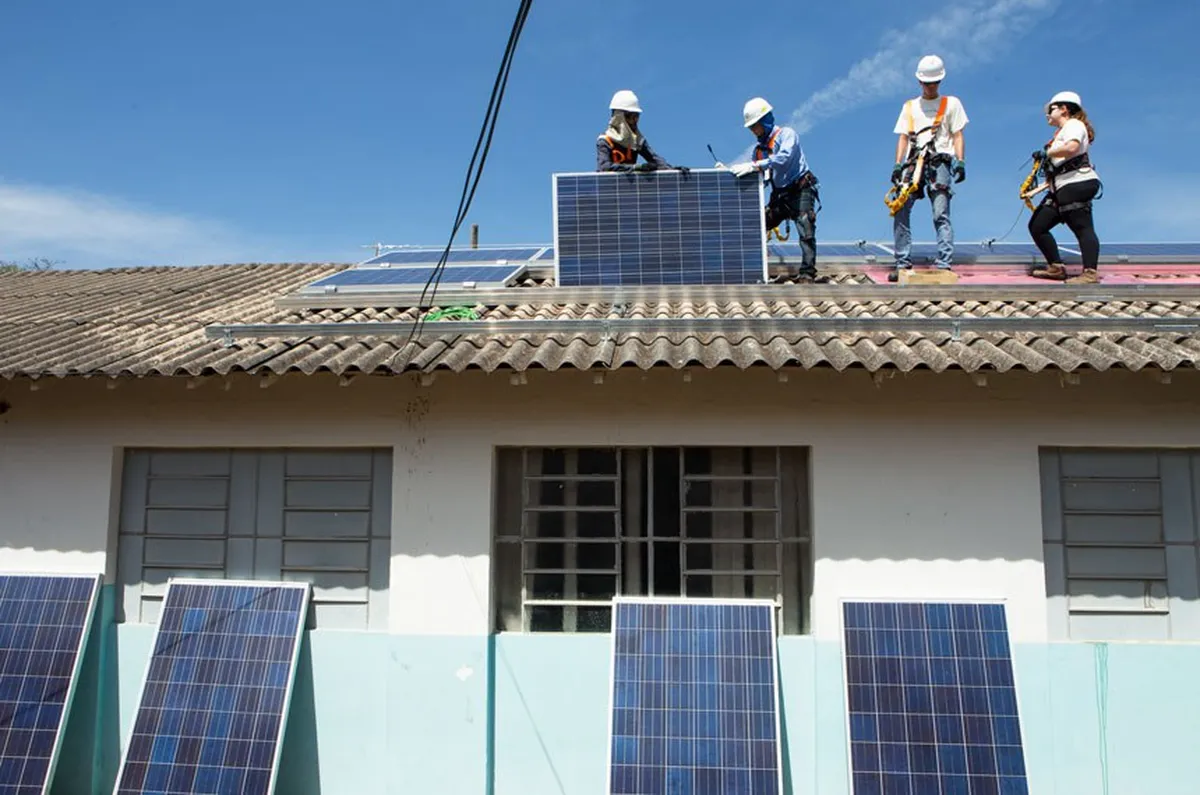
x,y
645,167
721,165
684,170
1039,155
897,173
742,169
959,167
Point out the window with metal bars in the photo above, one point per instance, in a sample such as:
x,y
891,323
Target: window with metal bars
x,y
577,526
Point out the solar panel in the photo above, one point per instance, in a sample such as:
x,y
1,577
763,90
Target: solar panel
x,y
1177,250
660,227
694,698
44,623
415,277
432,256
829,250
932,701
215,696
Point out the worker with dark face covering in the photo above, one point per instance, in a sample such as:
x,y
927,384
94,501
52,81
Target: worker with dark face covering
x,y
621,144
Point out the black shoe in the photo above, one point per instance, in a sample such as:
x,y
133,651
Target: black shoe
x,y
894,276
811,277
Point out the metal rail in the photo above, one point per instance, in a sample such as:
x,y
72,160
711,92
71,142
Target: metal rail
x,y
610,327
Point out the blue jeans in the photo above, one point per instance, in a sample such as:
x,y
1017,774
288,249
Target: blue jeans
x,y
937,188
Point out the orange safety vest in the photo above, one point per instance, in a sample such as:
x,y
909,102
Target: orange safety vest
x,y
762,151
620,154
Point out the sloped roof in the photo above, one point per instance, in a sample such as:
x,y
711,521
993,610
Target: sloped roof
x,y
153,321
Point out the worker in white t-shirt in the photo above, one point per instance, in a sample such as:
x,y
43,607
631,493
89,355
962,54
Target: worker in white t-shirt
x,y
1073,184
936,123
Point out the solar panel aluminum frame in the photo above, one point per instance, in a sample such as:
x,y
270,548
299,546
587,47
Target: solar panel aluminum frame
x,y
287,693
693,600
517,271
922,600
85,633
762,220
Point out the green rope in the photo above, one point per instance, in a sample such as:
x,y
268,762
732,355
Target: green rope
x,y
453,313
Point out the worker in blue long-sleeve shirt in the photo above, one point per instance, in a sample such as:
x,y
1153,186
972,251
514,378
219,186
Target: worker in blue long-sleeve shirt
x,y
794,188
618,148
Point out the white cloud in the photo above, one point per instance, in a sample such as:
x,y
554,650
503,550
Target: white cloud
x,y
90,230
964,34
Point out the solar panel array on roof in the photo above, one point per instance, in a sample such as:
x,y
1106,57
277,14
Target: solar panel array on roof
x,y
415,277
1189,251
44,623
843,251
215,696
432,256
932,700
694,698
659,228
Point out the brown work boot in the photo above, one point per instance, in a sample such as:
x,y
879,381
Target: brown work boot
x,y
1089,276
1055,272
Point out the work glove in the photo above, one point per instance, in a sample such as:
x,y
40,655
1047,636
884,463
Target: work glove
x,y
721,165
684,170
897,173
645,167
622,167
742,169
959,167
1039,155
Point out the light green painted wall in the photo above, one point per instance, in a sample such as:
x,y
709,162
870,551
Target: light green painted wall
x,y
376,713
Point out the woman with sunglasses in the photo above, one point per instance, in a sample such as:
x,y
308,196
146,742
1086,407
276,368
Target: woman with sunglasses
x,y
1073,183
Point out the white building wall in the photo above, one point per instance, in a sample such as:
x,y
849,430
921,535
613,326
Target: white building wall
x,y
922,486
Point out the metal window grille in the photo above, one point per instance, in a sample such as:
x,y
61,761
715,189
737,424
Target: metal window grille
x,y
576,527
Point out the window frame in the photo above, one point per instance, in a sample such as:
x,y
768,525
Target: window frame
x,y
786,546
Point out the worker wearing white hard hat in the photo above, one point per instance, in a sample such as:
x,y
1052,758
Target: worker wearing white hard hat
x,y
618,147
933,124
794,188
1073,184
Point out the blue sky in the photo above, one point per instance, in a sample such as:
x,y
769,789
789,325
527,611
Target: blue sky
x,y
169,132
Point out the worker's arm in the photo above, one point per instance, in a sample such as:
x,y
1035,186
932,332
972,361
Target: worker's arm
x,y
650,156
901,148
958,145
603,156
1066,149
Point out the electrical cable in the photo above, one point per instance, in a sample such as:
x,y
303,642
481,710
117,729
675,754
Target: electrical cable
x,y
482,146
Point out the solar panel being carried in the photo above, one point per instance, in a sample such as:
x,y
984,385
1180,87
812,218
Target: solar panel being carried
x,y
658,228
215,696
932,699
694,698
44,623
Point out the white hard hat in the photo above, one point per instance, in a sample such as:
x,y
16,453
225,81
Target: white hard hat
x,y
754,110
625,100
931,69
1063,97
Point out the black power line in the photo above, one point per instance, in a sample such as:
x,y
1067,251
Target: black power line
x,y
482,145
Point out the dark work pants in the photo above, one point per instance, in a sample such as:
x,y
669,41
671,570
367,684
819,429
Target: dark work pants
x,y
797,202
1047,216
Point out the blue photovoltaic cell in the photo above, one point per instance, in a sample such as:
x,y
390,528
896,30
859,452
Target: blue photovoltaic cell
x,y
44,621
932,703
1150,249
432,256
659,228
694,701
214,700
969,252
840,250
417,276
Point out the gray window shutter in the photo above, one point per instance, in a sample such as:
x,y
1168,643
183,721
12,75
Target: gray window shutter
x,y
321,516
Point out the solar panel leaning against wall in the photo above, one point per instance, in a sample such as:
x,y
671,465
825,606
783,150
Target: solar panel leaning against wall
x,y
44,625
